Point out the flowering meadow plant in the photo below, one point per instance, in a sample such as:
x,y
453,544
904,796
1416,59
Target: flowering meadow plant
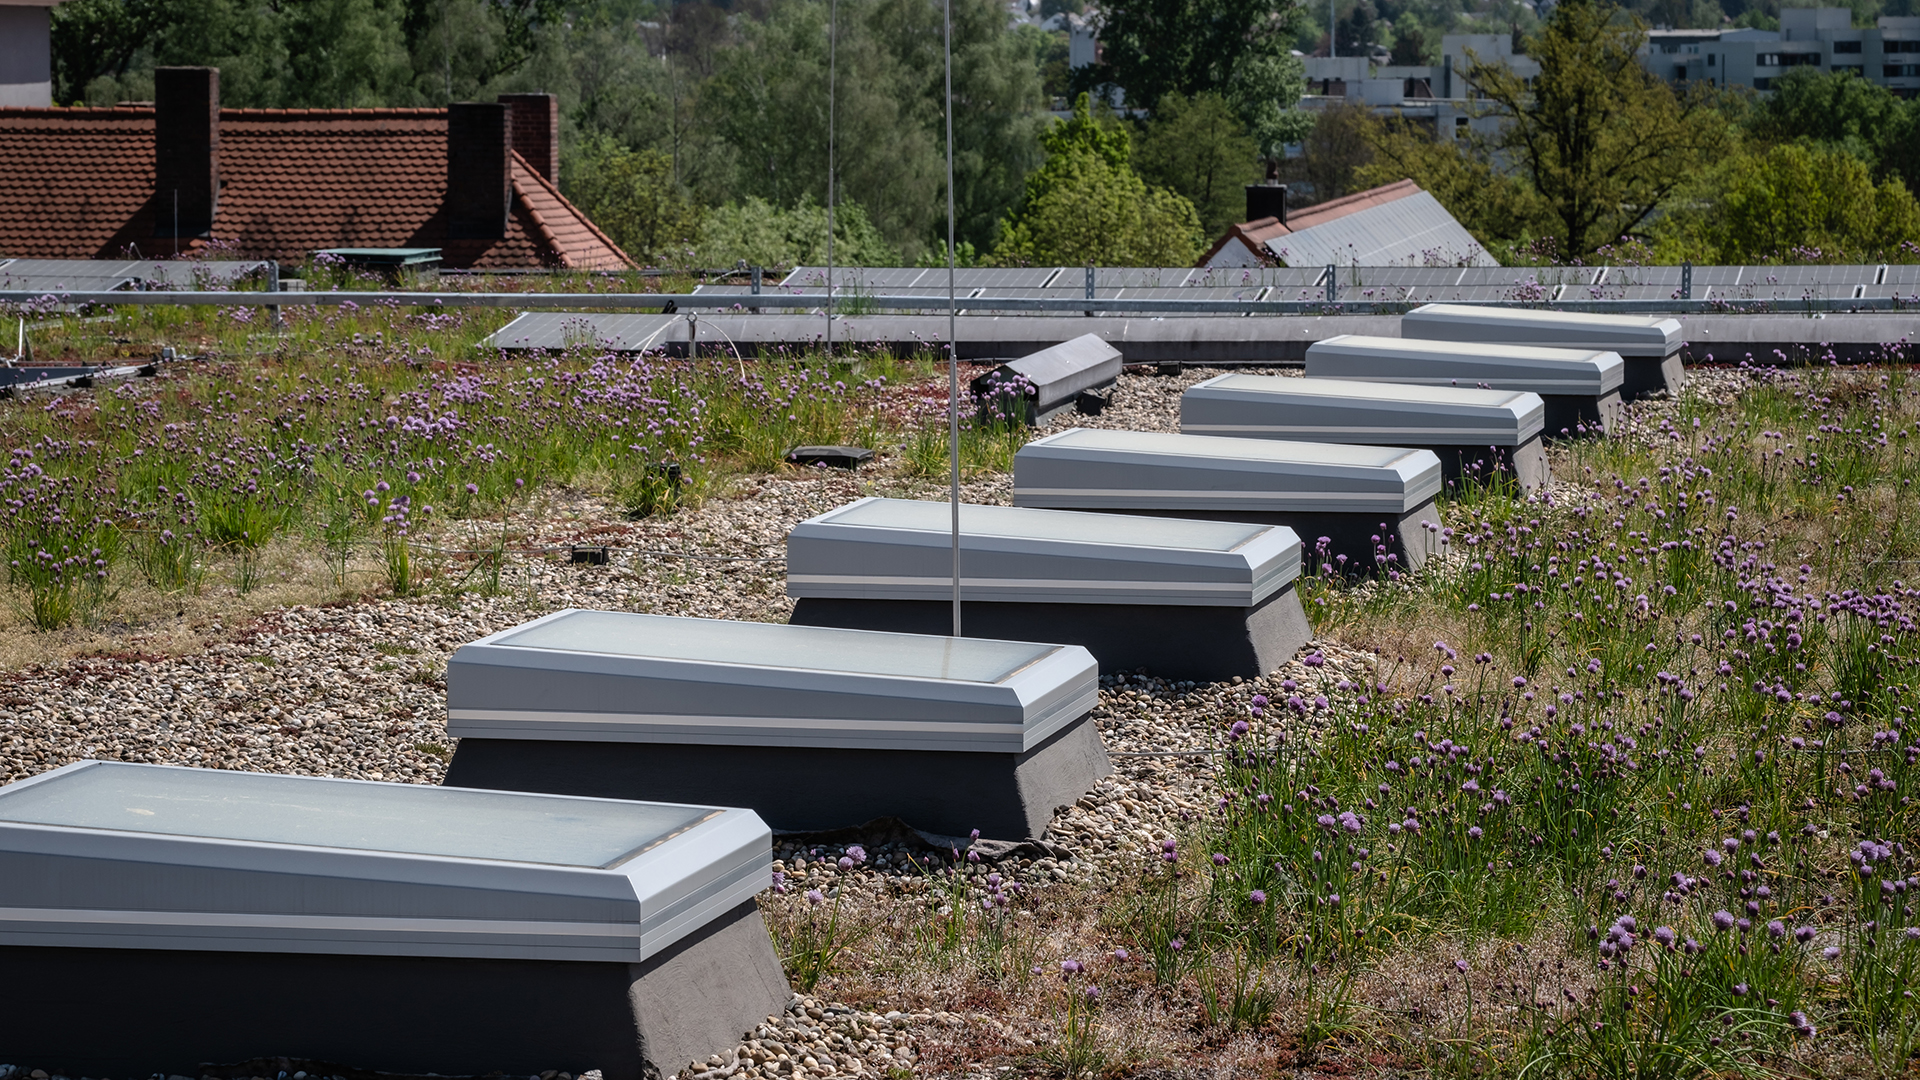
x,y
368,427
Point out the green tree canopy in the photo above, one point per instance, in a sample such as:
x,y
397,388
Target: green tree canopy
x,y
1601,140
1086,205
632,196
1198,147
1841,110
760,234
1801,203
1240,49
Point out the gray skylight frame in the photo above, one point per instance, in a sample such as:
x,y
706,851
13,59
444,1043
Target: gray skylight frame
x,y
1425,362
103,888
1370,414
1628,335
501,691
830,556
1095,469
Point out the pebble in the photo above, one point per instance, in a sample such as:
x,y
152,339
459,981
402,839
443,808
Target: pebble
x,y
358,690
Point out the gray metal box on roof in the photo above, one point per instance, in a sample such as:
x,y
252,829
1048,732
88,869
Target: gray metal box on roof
x,y
217,877
623,705
1345,493
1051,379
1649,344
1205,600
1580,387
1475,433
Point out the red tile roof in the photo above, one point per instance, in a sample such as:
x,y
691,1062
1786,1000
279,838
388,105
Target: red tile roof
x,y
78,184
1255,234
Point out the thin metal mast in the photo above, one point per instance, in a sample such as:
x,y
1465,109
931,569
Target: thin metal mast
x,y
833,85
953,343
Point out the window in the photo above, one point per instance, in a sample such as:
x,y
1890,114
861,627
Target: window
x,y
1899,71
1711,57
1846,46
1900,46
1763,84
1788,59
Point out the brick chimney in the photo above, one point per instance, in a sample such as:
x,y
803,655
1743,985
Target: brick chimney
x,y
1267,201
186,149
536,123
479,171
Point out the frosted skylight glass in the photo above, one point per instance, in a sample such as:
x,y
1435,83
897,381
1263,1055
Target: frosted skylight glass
x,y
318,812
812,648
1017,522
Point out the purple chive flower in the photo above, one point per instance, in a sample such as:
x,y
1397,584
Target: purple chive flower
x,y
1219,859
1239,728
1121,954
1740,990
1460,966
1831,952
1070,967
1803,934
1722,920
1257,896
815,898
857,853
846,863
1776,929
1663,935
1712,857
1474,833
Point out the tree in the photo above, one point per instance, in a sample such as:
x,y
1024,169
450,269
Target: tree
x,y
768,100
1843,111
759,234
998,102
1086,205
1340,141
1602,140
1240,49
1800,203
632,196
1197,147
1496,207
1263,90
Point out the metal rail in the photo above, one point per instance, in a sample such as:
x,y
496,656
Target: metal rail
x,y
664,303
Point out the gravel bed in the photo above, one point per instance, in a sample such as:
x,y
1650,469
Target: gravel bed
x,y
358,690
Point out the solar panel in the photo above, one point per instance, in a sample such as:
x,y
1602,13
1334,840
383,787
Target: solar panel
x,y
865,278
1011,277
564,329
1139,277
1282,277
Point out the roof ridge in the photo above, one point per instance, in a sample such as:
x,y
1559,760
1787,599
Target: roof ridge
x,y
1345,201
333,114
554,190
86,112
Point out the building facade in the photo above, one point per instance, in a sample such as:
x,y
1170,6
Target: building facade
x,y
1887,54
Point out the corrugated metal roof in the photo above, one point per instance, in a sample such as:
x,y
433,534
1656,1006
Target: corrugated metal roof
x,y
1412,231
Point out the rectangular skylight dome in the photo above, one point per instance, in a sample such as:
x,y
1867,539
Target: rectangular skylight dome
x,y
603,676
897,549
1097,469
1628,335
1414,361
113,855
1376,414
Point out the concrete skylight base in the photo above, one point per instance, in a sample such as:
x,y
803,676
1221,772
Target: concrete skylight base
x,y
1566,413
1412,536
1526,463
139,1012
1007,796
1202,643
